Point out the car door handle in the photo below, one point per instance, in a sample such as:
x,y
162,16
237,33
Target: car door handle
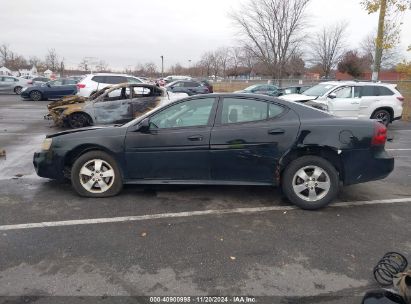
x,y
195,138
276,131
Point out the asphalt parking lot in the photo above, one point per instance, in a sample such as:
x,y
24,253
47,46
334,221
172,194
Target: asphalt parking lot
x,y
188,240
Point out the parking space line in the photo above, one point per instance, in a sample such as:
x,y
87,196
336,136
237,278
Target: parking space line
x,y
398,149
188,214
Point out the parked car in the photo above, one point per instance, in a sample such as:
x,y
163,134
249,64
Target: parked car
x,y
265,89
92,83
53,89
10,84
361,100
172,78
191,87
38,80
208,84
114,104
223,139
297,89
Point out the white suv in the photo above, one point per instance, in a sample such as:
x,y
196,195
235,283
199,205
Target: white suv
x,y
94,82
362,100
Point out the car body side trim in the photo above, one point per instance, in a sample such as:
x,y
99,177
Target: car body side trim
x,y
195,182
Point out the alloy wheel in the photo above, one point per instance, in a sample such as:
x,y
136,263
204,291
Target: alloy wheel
x,y
97,176
384,117
311,183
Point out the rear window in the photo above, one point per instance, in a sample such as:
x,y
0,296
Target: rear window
x,y
384,91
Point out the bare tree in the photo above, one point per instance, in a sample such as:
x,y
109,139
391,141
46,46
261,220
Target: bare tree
x,y
390,56
327,47
16,62
207,63
5,54
101,66
272,30
83,65
52,60
150,69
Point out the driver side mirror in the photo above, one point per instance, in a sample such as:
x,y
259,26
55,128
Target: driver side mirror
x,y
144,125
332,96
48,84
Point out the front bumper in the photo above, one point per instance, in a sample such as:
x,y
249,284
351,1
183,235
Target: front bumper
x,y
362,166
48,165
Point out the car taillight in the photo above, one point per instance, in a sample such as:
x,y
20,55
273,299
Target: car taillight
x,y
30,82
81,86
400,98
380,135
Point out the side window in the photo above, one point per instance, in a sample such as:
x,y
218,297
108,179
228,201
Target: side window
x,y
357,92
191,84
8,79
243,110
56,83
274,110
115,79
383,91
344,92
99,79
70,82
368,91
117,94
191,113
142,92
178,85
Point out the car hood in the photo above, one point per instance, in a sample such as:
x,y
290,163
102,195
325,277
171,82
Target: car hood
x,y
77,131
297,97
68,100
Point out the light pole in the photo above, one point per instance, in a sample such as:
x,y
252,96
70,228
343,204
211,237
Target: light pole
x,y
162,66
189,66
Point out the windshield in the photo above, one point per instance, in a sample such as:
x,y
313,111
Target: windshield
x,y
252,87
319,90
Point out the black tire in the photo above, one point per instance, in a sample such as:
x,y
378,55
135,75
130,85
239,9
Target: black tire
x,y
382,115
115,185
78,120
290,178
17,90
36,96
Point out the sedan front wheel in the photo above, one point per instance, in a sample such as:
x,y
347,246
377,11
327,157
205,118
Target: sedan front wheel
x,y
96,174
310,182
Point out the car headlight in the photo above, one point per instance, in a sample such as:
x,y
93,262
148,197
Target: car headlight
x,y
46,144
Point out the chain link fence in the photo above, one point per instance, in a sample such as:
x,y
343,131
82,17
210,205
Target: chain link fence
x,y
404,86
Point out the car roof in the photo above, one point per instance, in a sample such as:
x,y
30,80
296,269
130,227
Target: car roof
x,y
111,74
359,83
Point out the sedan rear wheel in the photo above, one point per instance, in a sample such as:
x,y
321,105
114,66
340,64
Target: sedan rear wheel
x,y
35,96
382,115
17,90
96,174
310,182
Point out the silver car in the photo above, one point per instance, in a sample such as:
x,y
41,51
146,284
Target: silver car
x,y
10,84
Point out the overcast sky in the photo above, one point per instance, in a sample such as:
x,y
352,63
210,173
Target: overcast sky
x,y
124,32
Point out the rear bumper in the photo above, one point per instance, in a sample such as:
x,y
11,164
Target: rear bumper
x,y
48,165
362,166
